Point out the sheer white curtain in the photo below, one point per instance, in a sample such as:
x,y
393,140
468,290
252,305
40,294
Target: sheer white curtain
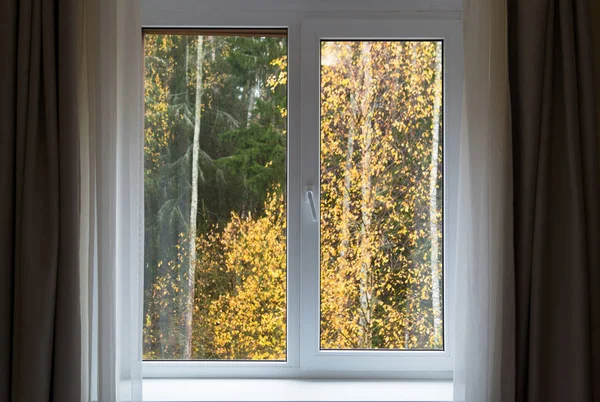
x,y
112,195
485,302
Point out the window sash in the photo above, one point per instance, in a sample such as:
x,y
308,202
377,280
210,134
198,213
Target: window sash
x,y
313,32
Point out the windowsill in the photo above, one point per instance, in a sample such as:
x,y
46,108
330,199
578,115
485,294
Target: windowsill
x,y
292,390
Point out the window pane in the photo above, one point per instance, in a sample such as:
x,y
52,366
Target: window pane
x,y
215,210
381,195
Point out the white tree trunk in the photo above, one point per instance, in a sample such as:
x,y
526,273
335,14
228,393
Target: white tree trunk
x,y
189,308
252,101
433,206
346,219
365,282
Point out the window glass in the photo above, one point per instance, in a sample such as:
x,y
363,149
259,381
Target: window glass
x,y
381,195
215,195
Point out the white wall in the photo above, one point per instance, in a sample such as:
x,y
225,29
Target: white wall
x,y
306,7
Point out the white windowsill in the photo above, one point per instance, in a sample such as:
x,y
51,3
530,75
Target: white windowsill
x,y
291,390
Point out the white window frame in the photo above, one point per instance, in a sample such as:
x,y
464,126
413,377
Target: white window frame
x,y
307,23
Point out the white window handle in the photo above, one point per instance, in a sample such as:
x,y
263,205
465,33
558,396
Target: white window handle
x,y
310,199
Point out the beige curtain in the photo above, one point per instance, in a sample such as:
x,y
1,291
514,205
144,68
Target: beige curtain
x,y
111,249
484,367
39,204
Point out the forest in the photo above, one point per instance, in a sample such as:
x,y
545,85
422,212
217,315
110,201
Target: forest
x,y
215,196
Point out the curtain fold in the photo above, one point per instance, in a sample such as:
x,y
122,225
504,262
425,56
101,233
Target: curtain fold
x,y
557,198
39,204
484,367
112,195
595,4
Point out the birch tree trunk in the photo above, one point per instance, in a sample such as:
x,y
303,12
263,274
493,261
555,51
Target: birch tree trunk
x,y
367,202
189,308
433,203
346,219
252,101
187,68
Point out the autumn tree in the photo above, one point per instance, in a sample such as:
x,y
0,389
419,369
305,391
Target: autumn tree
x,y
249,319
196,174
376,170
381,196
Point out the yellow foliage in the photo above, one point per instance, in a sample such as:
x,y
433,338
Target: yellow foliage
x,y
250,321
376,233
